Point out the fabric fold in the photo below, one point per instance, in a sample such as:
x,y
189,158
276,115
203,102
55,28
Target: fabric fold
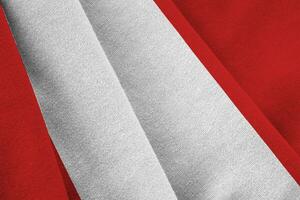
x,y
206,147
250,110
28,167
89,118
267,38
228,66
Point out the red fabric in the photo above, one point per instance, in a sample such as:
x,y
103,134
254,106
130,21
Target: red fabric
x,y
240,35
72,193
29,168
258,42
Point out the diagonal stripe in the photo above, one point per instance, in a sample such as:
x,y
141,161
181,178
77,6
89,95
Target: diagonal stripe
x,y
86,111
206,147
28,167
264,128
258,43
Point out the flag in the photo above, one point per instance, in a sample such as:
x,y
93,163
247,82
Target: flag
x,y
149,100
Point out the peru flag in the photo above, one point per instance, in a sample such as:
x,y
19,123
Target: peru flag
x,y
144,100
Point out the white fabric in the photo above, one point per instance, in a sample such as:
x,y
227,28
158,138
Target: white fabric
x,y
87,113
206,147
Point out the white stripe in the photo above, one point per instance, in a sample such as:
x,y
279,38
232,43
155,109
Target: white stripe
x,y
88,116
206,147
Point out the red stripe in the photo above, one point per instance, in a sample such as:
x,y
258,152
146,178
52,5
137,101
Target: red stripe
x,y
29,168
72,193
283,151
